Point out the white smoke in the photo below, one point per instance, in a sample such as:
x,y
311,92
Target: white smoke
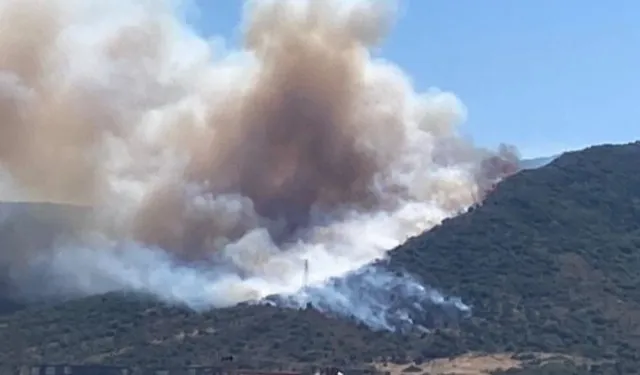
x,y
213,178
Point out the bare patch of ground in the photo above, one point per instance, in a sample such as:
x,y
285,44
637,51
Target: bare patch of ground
x,y
475,364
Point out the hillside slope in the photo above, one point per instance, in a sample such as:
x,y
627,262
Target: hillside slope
x,y
129,330
549,263
551,260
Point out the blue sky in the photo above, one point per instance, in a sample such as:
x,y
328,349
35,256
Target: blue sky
x,y
545,75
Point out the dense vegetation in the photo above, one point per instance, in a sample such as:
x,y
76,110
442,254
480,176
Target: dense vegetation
x,y
550,263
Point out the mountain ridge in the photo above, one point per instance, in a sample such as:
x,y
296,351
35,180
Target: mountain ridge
x,y
548,263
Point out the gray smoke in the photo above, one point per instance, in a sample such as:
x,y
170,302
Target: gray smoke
x,y
210,177
381,299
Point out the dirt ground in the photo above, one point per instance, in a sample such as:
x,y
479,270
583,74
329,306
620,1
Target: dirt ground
x,y
468,364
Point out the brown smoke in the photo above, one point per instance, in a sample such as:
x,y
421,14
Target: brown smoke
x,y
304,131
46,140
289,142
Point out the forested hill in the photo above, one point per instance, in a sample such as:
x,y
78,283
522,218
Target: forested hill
x,y
550,263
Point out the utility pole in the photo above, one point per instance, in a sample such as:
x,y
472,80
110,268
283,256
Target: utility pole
x,y
306,274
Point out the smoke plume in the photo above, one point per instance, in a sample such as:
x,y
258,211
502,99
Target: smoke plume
x,y
211,177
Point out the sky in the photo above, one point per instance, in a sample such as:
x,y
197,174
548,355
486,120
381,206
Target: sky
x,y
544,75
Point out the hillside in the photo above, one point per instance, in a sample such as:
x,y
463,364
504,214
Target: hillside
x,y
549,263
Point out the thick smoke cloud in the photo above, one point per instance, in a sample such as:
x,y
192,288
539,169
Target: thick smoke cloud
x,y
212,177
